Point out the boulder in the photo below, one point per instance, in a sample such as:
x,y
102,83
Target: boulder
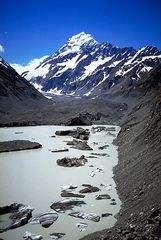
x,y
45,219
113,203
72,162
89,189
66,132
106,214
103,147
66,204
80,145
65,193
103,196
19,215
91,156
78,133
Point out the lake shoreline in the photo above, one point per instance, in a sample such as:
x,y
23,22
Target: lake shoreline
x,y
91,176
137,176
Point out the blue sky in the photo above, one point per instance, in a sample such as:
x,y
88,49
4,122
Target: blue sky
x,y
33,28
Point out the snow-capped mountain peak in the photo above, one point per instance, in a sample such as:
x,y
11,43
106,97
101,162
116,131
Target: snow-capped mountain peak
x,y
80,39
77,43
84,67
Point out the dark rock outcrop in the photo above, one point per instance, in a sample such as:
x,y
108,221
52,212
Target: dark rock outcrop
x,y
80,145
72,132
78,133
106,214
18,145
103,196
81,120
88,189
72,162
66,204
103,147
16,93
65,193
60,150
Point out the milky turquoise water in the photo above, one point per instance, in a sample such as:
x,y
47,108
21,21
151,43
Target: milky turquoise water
x,y
32,177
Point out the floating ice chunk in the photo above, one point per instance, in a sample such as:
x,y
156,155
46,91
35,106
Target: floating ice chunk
x,y
46,219
99,170
89,216
82,226
107,186
32,236
56,236
92,174
70,186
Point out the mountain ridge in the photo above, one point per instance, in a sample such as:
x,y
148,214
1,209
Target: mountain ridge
x,y
16,93
84,67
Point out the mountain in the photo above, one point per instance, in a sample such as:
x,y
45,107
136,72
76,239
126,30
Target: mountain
x,y
83,67
16,93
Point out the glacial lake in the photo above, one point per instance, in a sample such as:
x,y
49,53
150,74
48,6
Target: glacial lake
x,y
33,177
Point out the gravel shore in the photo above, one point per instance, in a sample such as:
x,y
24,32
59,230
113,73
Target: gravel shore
x,y
137,175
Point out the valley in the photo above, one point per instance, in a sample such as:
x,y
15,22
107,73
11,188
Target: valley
x,y
122,88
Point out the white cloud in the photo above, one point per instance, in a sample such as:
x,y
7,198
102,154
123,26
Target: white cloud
x,y
1,49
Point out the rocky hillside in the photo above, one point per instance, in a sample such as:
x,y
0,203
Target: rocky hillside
x,y
83,67
138,172
16,93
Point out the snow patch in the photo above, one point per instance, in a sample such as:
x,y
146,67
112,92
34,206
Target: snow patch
x,y
146,69
55,91
70,64
93,66
37,86
114,64
119,73
38,72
